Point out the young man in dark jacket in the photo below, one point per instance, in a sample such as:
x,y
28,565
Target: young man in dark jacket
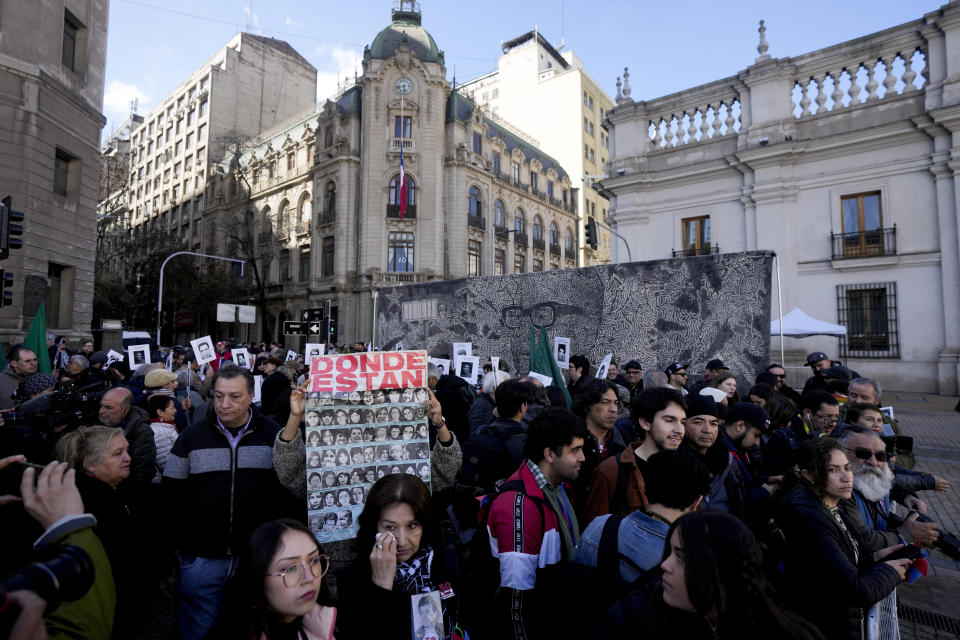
x,y
220,485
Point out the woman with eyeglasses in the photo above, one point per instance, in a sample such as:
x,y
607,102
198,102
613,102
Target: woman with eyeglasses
x,y
827,550
281,593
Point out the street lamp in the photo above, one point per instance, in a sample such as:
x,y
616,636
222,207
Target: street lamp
x,y
184,253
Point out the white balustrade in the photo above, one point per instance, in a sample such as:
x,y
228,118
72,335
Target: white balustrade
x,y
823,85
694,124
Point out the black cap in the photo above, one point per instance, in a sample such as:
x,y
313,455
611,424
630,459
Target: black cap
x,y
752,414
717,365
633,364
98,357
838,372
698,405
816,356
676,366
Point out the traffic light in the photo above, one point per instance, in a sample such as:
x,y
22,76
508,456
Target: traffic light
x,y
6,288
590,233
10,228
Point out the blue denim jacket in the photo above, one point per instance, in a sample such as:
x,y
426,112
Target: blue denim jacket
x,y
640,538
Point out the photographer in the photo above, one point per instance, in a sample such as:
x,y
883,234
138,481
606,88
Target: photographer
x,y
53,500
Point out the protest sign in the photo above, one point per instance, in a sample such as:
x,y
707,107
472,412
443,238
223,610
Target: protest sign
x,y
467,368
604,365
462,349
313,349
443,364
561,352
365,419
113,356
291,355
241,358
546,380
137,355
203,350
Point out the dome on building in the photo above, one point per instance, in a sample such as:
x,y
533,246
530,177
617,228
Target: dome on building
x,y
405,27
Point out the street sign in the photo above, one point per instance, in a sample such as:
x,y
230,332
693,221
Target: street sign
x,y
294,328
311,315
243,313
314,328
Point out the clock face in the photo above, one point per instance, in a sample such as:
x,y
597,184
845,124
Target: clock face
x,y
404,86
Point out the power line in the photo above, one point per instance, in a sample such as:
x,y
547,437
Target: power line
x,y
278,32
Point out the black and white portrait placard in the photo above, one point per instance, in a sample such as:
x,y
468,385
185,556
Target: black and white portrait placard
x,y
203,350
138,354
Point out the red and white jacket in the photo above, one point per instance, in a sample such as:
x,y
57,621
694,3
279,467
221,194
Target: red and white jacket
x,y
519,537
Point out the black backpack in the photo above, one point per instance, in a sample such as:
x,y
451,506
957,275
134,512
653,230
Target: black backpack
x,y
485,458
479,571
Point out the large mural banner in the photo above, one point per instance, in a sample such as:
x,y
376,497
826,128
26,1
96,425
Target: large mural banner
x,y
687,309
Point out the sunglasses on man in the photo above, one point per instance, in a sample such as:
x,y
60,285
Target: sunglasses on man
x,y
865,454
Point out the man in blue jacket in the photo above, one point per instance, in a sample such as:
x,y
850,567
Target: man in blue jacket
x,y
220,485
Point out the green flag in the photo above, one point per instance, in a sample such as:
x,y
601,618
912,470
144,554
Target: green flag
x,y
37,339
542,362
3,360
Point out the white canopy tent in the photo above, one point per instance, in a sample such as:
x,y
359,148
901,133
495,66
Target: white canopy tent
x,y
798,324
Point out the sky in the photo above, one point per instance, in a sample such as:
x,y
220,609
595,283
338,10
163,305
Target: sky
x,y
154,44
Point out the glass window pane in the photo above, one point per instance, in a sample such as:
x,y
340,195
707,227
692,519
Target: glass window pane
x,y
850,220
871,212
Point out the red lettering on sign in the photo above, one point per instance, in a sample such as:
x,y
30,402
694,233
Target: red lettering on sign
x,y
370,362
416,360
320,383
389,381
347,364
412,378
392,361
346,382
321,365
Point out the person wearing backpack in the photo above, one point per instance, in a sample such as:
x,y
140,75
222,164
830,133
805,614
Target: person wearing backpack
x,y
676,482
532,526
618,483
496,450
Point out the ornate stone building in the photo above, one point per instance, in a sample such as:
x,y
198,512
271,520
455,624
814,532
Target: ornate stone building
x,y
844,162
314,203
52,59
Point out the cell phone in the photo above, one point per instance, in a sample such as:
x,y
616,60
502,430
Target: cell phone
x,y
11,476
910,552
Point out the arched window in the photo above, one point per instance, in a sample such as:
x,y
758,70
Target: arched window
x,y
474,202
394,196
265,219
498,215
537,228
554,234
519,221
305,208
330,198
281,215
568,240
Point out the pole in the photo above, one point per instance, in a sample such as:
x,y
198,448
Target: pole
x,y
163,266
373,337
780,306
607,227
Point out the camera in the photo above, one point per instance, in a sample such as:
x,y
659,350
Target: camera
x,y
68,405
948,544
64,577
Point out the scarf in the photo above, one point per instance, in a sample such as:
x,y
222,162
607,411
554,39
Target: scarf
x,y
413,576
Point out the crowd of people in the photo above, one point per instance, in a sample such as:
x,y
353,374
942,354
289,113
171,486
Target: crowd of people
x,y
651,505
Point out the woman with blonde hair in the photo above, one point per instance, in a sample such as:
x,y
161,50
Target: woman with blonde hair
x,y
100,456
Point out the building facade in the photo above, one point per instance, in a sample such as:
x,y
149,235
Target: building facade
x,y
843,161
52,59
313,204
250,85
543,91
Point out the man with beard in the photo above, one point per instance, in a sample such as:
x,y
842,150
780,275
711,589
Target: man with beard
x,y
872,484
748,496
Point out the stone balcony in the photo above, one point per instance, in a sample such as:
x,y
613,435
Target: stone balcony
x,y
408,145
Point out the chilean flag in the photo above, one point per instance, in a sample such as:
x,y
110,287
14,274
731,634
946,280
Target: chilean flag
x,y
403,187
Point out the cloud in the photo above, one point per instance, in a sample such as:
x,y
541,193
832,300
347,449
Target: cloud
x,y
334,63
117,97
290,22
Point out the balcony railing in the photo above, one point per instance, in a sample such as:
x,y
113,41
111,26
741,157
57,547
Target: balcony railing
x,y
407,144
500,231
477,222
696,251
865,244
393,211
517,183
504,177
556,202
327,217
521,239
402,277
555,249
538,243
303,228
